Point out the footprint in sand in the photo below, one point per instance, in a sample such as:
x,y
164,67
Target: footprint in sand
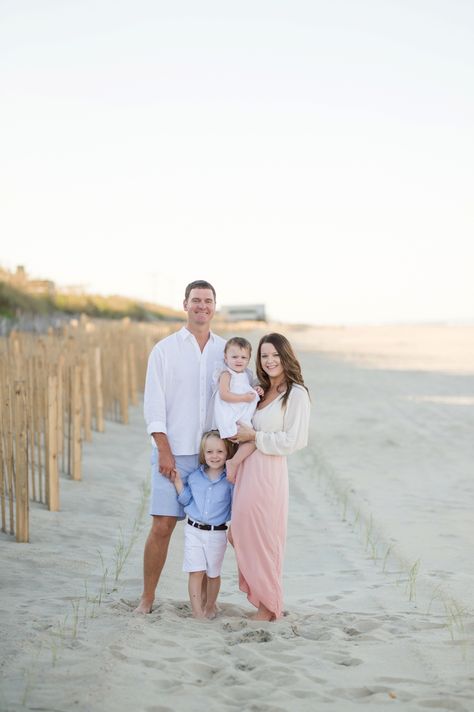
x,y
349,662
444,703
254,636
233,626
246,667
352,632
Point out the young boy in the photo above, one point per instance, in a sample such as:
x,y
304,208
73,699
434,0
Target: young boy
x,y
207,498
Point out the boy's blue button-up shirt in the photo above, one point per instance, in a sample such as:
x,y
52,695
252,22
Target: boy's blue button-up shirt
x,y
207,501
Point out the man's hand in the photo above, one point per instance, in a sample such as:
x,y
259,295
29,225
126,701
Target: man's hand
x,y
167,464
166,457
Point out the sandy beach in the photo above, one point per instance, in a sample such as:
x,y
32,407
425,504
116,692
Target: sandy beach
x,y
379,571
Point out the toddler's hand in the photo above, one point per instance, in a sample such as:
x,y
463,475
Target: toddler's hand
x,y
259,390
248,397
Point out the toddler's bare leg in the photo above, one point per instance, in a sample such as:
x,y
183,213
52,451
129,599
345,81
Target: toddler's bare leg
x,y
195,591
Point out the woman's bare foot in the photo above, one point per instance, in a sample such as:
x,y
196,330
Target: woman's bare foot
x,y
145,606
263,614
261,617
210,613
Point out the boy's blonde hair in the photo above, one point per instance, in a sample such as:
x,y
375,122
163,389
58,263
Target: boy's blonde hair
x,y
230,447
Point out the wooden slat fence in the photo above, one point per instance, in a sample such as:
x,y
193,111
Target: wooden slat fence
x,y
55,391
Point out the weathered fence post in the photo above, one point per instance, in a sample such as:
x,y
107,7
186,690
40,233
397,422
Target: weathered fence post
x,y
76,473
52,420
99,408
86,394
21,465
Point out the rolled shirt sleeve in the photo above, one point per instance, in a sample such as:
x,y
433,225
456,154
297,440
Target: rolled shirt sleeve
x,y
294,433
154,397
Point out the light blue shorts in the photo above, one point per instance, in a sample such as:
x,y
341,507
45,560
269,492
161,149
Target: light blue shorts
x,y
164,500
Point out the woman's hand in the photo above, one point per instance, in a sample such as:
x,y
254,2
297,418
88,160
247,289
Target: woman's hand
x,y
248,397
245,434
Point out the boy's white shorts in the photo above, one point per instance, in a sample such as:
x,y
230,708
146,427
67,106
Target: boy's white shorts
x,y
204,550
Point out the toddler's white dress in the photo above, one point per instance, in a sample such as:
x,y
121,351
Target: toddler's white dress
x,y
226,414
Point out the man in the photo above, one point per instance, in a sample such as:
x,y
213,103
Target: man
x,y
178,391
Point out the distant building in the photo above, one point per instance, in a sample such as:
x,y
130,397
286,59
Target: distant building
x,y
243,312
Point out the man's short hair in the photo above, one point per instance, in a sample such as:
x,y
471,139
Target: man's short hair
x,y
199,284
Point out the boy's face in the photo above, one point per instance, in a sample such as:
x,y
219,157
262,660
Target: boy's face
x,y
215,452
237,358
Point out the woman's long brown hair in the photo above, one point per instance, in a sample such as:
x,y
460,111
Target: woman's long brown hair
x,y
289,362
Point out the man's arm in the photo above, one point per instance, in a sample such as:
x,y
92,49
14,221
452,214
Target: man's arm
x,y
166,457
155,411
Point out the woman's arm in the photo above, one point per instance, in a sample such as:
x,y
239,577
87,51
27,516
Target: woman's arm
x,y
294,434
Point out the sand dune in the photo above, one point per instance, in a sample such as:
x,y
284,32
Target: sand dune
x,y
386,483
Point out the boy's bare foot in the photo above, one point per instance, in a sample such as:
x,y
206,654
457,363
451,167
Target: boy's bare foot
x,y
210,613
145,606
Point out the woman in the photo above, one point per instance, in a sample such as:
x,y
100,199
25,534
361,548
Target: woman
x,y
260,502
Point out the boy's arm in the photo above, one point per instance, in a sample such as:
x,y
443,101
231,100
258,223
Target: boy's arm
x,y
177,481
227,395
183,491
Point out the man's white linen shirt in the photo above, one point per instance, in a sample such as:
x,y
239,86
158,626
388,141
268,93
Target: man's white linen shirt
x,y
178,388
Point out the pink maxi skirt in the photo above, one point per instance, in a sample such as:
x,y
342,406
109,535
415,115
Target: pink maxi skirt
x,y
259,523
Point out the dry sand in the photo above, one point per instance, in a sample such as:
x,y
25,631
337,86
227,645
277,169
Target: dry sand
x,y
380,513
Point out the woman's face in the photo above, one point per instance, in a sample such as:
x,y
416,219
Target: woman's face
x,y
270,361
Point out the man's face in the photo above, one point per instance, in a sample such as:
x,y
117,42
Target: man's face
x,y
200,306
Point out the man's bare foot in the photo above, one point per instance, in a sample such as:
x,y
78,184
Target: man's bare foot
x,y
231,470
145,606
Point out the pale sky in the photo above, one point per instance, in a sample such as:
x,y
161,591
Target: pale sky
x,y
313,155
